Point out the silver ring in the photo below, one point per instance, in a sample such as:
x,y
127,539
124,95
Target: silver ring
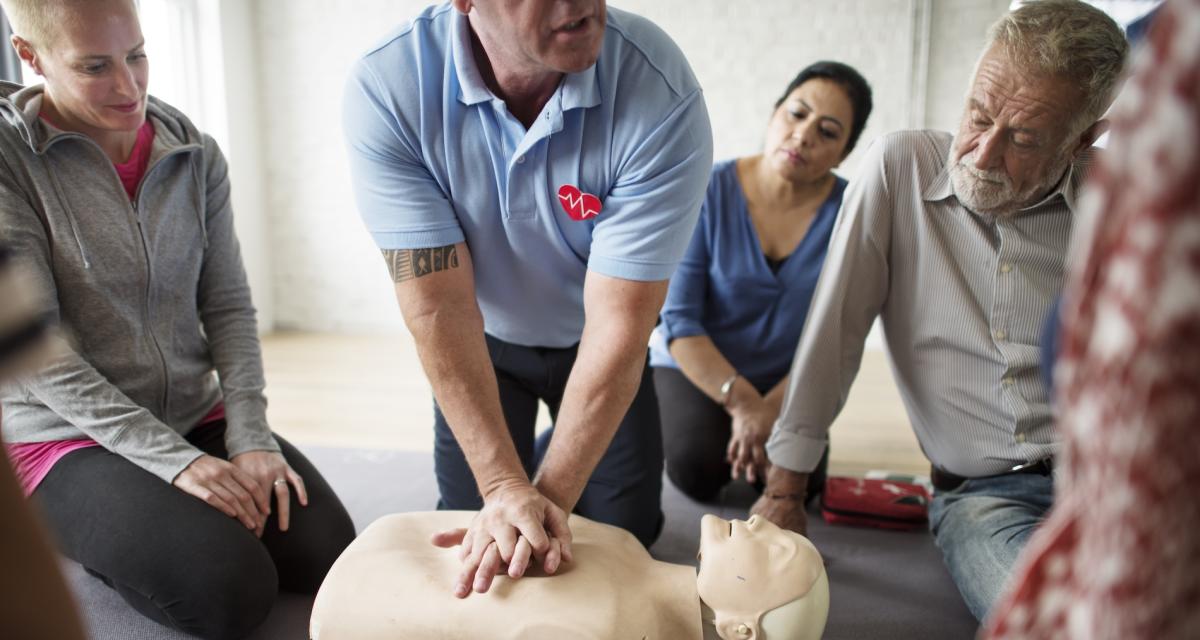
x,y
279,481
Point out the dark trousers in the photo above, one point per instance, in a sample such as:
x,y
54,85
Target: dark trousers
x,y
175,559
696,434
624,490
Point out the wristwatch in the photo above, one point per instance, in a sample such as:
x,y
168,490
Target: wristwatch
x,y
726,388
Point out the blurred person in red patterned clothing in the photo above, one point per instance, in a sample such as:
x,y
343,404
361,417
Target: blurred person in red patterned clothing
x,y
1119,556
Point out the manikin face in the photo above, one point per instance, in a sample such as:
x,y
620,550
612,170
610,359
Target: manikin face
x,y
748,568
807,135
1015,140
540,36
95,68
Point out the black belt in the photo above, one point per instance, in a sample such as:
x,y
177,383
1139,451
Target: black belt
x,y
946,481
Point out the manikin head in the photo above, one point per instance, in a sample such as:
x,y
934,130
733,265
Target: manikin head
x,y
761,582
1039,92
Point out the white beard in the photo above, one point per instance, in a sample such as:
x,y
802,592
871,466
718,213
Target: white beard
x,y
992,192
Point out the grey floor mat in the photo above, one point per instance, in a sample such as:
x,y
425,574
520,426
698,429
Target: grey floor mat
x,y
882,584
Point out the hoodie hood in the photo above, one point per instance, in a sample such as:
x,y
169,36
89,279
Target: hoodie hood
x,y
20,106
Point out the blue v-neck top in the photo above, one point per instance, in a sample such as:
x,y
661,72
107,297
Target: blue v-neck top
x,y
725,289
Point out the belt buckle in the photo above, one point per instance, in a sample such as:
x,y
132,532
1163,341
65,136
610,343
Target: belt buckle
x,y
1028,465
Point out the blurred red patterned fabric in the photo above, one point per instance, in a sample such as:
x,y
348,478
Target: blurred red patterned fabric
x,y
1119,557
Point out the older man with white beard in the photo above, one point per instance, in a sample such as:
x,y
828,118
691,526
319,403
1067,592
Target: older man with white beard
x,y
958,244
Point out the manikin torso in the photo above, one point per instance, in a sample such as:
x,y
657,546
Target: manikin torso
x,y
393,583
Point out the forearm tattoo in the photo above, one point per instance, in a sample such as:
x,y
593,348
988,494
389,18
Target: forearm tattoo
x,y
406,264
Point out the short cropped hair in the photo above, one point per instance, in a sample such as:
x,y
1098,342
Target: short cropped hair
x,y
1068,39
33,20
37,20
850,81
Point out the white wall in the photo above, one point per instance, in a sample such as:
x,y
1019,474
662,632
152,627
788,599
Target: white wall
x,y
242,98
327,274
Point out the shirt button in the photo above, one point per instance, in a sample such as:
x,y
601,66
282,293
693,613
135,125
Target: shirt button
x,y
1007,381
1000,334
1006,267
1020,438
520,159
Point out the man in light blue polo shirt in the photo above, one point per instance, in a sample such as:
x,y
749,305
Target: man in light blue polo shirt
x,y
532,171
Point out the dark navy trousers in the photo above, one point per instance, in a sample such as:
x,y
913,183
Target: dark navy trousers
x,y
624,490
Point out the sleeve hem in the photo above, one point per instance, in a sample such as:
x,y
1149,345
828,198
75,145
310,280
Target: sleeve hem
x,y
419,239
796,451
631,269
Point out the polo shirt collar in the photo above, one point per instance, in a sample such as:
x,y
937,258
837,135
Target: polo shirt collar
x,y
580,90
577,90
471,87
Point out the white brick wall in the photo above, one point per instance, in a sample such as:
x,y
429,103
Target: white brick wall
x,y
327,274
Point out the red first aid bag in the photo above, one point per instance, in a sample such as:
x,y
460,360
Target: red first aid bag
x,y
882,504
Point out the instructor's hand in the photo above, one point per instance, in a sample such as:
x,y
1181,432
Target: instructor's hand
x,y
226,488
273,475
516,525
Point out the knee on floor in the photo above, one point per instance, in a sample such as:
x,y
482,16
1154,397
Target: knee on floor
x,y
227,597
697,481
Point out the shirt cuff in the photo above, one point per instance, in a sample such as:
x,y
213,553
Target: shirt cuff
x,y
794,451
631,269
674,327
425,239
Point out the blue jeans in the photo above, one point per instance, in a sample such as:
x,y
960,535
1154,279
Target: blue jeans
x,y
625,488
982,526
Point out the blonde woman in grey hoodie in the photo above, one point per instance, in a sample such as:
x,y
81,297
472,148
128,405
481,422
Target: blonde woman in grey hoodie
x,y
144,439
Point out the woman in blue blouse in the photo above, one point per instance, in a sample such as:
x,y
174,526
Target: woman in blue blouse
x,y
737,304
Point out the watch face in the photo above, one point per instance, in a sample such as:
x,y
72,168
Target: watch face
x,y
726,387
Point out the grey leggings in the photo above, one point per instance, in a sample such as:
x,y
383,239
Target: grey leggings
x,y
177,560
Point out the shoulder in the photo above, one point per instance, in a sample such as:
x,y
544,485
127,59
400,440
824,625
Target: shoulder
x,y
723,184
418,43
916,158
917,146
634,44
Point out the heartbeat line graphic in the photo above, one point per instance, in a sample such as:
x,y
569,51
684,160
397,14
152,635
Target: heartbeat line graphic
x,y
575,203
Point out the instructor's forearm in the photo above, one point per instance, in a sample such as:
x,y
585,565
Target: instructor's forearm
x,y
602,385
604,380
440,310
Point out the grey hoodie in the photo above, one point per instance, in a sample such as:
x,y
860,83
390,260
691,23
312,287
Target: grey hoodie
x,y
152,295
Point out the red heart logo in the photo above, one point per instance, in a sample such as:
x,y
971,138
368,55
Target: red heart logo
x,y
578,205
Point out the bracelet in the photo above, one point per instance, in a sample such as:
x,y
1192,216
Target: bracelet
x,y
727,388
798,497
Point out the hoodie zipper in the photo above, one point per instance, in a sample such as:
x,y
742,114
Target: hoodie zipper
x,y
135,207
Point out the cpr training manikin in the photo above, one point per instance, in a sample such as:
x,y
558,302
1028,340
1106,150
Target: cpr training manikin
x,y
755,582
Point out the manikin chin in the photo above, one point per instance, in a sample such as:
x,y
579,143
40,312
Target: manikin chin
x,y
755,581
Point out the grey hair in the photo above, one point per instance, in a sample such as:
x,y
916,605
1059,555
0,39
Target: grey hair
x,y
1069,39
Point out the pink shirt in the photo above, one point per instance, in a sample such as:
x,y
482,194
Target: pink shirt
x,y
32,461
132,170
